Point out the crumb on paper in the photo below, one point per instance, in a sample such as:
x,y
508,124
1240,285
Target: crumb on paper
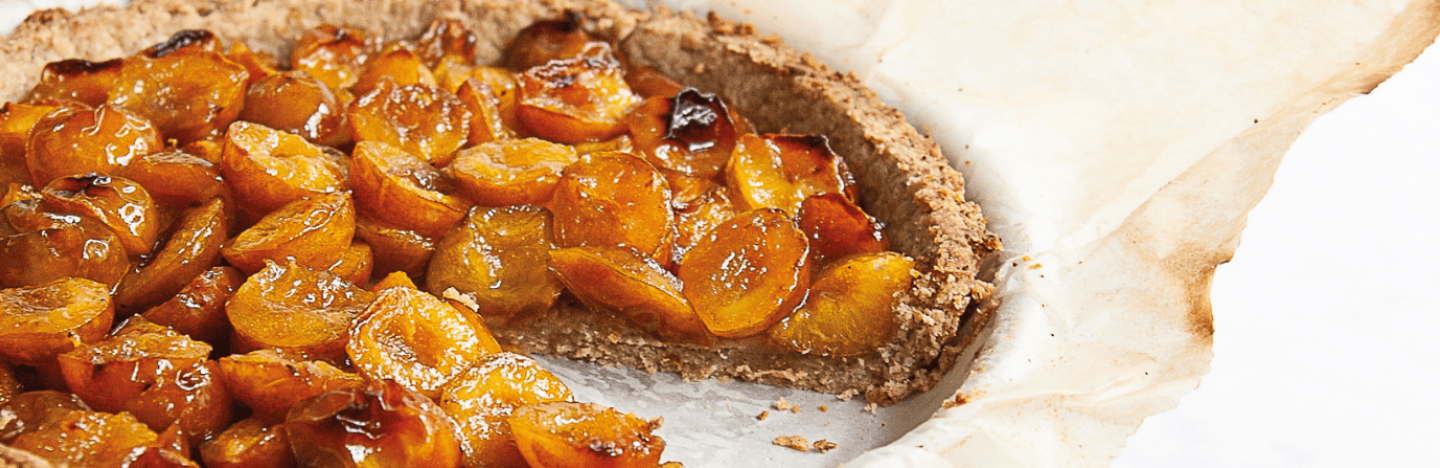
x,y
763,415
871,407
783,405
1037,265
794,442
824,409
823,445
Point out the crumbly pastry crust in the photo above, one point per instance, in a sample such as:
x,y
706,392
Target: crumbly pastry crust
x,y
904,179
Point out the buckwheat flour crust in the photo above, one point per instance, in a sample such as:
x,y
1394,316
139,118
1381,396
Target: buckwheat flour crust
x,y
905,181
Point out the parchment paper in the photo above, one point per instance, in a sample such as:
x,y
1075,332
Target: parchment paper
x,y
1116,147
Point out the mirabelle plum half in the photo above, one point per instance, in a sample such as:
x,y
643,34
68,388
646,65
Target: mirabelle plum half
x,y
41,322
690,133
270,382
397,188
748,273
314,232
482,398
250,443
269,168
184,85
780,171
575,100
620,281
296,309
421,119
378,423
73,141
511,172
417,340
113,372
614,199
498,257
850,308
563,434
193,247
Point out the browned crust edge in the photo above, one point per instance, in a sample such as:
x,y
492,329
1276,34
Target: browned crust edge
x,y
908,183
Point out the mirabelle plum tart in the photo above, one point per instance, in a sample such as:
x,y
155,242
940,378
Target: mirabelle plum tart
x,y
906,190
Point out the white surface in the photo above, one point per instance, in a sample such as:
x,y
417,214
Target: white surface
x,y
1325,321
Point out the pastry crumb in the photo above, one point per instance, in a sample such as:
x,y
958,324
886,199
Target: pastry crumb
x,y
823,445
783,405
824,409
763,416
793,441
847,395
871,407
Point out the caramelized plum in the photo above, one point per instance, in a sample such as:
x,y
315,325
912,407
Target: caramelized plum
x,y
561,434
422,120
296,309
747,274
614,199
510,172
837,227
41,322
82,249
112,372
16,120
417,340
74,141
574,100
115,202
198,310
649,82
781,171
78,80
250,443
504,84
690,133
395,249
189,91
297,103
270,383
482,398
546,41
332,54
486,122
497,256
850,308
10,385
89,439
32,410
193,248
193,398
177,180
269,168
314,232
446,38
379,423
397,188
705,205
396,63
259,65
620,281
356,264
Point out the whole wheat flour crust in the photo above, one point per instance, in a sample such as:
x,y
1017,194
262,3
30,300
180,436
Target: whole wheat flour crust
x,y
905,181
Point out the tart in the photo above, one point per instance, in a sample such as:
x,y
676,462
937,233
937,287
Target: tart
x,y
906,184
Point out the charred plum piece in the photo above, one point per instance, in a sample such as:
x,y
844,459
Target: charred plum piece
x,y
482,398
850,308
747,274
562,434
379,423
691,133
78,80
417,340
41,322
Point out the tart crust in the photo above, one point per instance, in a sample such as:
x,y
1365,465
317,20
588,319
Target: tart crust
x,y
905,181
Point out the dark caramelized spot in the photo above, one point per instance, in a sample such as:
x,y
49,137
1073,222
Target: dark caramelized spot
x,y
181,40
